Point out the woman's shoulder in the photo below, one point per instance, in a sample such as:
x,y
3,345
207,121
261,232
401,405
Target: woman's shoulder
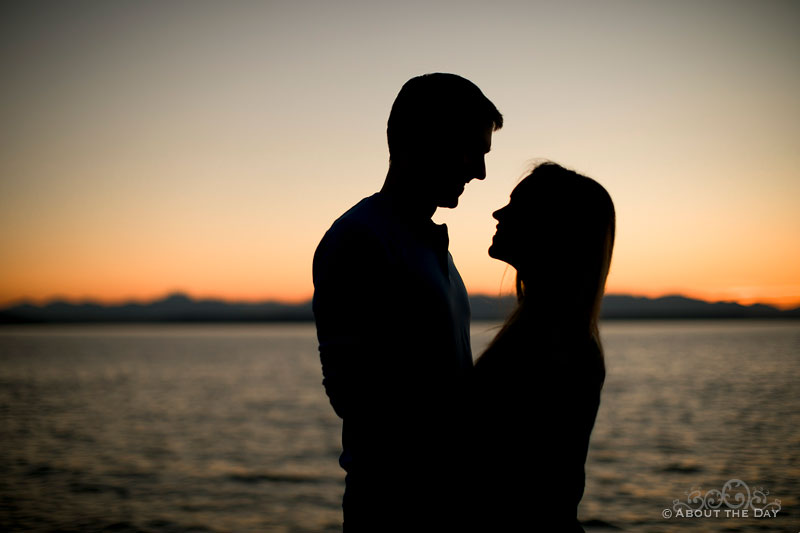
x,y
516,356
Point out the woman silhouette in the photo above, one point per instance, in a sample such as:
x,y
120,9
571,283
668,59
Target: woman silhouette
x,y
537,385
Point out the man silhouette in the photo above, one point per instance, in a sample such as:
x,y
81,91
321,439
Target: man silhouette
x,y
392,315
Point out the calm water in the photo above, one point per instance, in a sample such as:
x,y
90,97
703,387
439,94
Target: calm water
x,y
227,428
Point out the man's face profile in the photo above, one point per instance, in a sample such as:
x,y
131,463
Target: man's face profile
x,y
439,132
461,161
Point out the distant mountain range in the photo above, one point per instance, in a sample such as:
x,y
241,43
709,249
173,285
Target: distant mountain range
x,y
179,307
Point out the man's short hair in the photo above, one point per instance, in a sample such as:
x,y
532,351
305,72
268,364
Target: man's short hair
x,y
435,108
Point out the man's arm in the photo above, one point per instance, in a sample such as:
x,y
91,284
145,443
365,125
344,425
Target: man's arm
x,y
350,309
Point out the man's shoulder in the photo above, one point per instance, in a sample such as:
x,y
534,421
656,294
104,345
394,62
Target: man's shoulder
x,y
360,229
357,240
367,217
368,211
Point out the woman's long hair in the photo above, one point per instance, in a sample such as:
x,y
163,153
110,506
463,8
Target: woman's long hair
x,y
568,229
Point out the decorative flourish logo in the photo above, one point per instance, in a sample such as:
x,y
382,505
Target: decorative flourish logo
x,y
735,495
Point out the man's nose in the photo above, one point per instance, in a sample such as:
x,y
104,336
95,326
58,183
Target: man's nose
x,y
476,168
481,169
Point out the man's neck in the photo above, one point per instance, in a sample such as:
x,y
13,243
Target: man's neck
x,y
398,189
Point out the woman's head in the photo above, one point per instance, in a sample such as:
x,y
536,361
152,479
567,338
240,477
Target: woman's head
x,y
558,232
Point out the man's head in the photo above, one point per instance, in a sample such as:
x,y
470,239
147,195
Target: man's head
x,y
439,131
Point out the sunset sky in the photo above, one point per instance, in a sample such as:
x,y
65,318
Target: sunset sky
x,y
148,147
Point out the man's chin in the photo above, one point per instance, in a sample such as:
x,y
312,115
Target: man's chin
x,y
449,197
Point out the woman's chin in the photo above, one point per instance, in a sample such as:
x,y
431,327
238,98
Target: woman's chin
x,y
497,252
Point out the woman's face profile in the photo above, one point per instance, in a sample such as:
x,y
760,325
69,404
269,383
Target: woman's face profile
x,y
508,241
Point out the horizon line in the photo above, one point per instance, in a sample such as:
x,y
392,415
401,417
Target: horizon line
x,y
301,301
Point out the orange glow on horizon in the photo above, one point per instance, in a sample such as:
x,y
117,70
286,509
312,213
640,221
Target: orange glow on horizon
x,y
147,297
783,302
